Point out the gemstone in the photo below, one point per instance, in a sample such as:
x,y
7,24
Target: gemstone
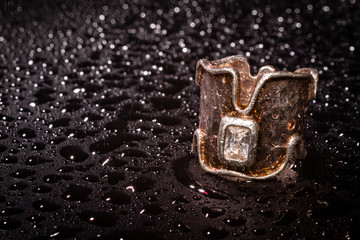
x,y
236,144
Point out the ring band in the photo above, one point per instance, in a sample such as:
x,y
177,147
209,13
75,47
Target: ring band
x,y
250,127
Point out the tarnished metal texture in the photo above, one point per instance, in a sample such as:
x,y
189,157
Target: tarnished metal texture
x,y
276,101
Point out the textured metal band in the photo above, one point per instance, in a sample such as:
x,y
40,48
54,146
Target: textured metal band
x,y
269,73
243,115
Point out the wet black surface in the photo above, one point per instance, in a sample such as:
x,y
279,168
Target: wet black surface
x,y
98,106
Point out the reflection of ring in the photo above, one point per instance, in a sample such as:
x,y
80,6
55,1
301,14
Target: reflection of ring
x,y
250,126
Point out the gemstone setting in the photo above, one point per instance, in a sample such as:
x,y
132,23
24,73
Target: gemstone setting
x,y
237,141
236,144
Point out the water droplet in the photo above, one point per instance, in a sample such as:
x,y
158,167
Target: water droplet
x,y
266,213
42,189
45,206
9,223
91,178
215,233
182,227
18,186
23,173
235,221
153,209
114,177
212,212
142,184
259,231
102,219
73,153
77,193
38,146
35,160
9,159
116,197
27,133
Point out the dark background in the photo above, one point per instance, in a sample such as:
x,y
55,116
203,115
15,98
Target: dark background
x,y
98,105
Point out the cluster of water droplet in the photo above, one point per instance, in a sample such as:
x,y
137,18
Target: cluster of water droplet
x,y
98,105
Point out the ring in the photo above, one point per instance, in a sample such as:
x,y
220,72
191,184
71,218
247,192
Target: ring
x,y
250,127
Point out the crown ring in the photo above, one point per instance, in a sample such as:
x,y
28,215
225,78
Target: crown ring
x,y
251,127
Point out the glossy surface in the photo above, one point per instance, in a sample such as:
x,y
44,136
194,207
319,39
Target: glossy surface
x,y
98,106
283,95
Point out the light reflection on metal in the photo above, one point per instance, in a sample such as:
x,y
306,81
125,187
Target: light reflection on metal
x,y
265,113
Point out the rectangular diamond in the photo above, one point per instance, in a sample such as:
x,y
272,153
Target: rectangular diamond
x,y
236,144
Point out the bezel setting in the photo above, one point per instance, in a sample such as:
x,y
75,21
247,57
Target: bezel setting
x,y
253,128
